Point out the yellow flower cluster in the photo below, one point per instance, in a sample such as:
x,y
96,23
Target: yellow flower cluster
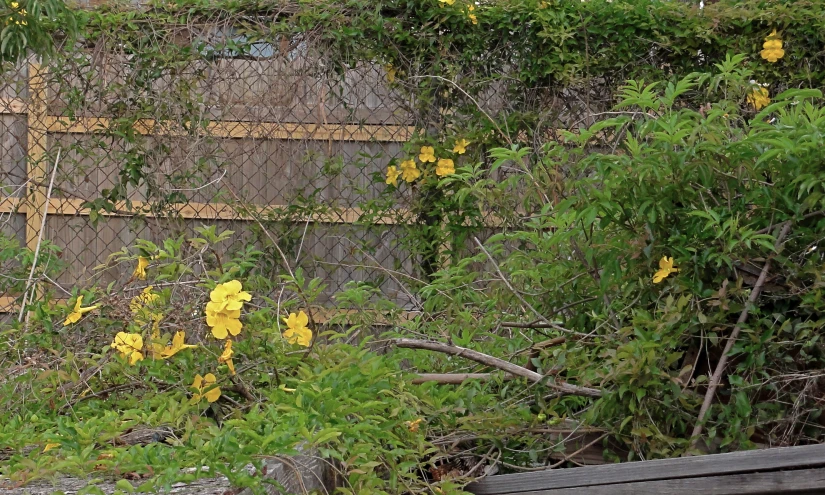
x,y
297,331
772,48
223,311
409,171
20,12
759,98
470,9
131,345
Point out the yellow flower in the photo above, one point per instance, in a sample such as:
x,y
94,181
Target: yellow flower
x,y
772,48
145,298
170,350
461,146
473,18
202,383
139,304
50,446
14,5
78,312
409,172
129,345
392,175
297,332
226,357
223,321
759,98
665,268
445,167
140,269
427,154
448,2
413,425
229,296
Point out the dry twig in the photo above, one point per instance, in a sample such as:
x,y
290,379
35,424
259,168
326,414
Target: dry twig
x,y
713,384
486,359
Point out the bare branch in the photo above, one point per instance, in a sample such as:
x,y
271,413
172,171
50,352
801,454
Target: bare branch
x,y
494,362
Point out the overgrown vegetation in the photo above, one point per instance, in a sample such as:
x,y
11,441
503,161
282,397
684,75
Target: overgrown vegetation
x,y
631,214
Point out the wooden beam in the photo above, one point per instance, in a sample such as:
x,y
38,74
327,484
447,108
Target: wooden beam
x,y
662,469
208,211
239,130
35,164
771,483
13,106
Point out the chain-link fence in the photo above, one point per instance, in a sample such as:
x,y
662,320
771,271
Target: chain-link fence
x,y
205,124
268,137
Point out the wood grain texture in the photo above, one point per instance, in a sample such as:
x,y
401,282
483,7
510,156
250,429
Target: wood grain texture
x,y
239,129
663,469
36,171
808,481
206,211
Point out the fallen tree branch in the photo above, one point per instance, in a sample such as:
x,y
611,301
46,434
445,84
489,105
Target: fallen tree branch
x,y
495,362
713,384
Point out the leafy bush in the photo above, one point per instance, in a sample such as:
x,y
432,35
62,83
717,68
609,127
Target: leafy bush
x,y
670,243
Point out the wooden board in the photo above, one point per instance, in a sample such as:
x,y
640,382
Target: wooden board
x,y
208,211
237,129
662,469
776,482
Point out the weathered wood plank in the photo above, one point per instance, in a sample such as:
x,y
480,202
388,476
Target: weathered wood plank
x,y
661,469
36,170
207,211
776,482
13,106
240,129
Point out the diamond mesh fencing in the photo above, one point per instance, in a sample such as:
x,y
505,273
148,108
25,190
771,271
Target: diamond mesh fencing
x,y
103,146
270,139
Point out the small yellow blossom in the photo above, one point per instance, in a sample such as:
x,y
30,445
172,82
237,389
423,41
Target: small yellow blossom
x,y
226,356
427,154
129,345
170,350
665,268
461,146
772,48
297,331
78,312
409,172
143,299
473,18
229,296
392,175
448,2
202,383
223,322
445,167
140,306
140,269
413,425
759,98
